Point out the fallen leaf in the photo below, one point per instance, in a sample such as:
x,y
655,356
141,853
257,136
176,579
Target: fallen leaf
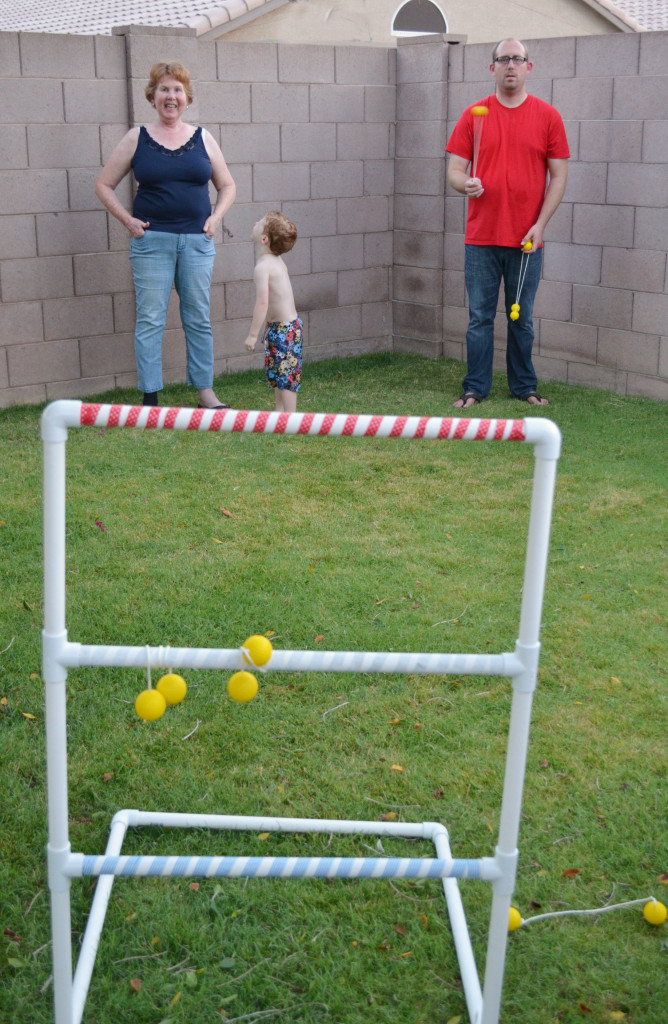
x,y
226,512
399,929
319,638
216,541
424,919
131,916
397,768
12,936
617,1015
28,607
34,675
264,835
194,886
583,1008
107,776
571,872
155,941
402,955
3,701
455,1020
394,721
100,526
390,816
135,984
614,679
663,879
174,1000
270,632
26,714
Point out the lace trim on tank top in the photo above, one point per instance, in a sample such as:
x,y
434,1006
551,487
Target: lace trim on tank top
x,y
185,148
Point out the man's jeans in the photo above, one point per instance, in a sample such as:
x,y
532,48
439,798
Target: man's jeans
x,y
159,260
485,266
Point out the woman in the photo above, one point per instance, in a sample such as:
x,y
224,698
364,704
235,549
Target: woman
x,y
172,227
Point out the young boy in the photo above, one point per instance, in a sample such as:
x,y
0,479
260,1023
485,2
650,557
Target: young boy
x,y
274,311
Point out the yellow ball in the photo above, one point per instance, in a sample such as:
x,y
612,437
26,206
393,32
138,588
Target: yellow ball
x,y
514,308
528,246
514,315
150,705
242,687
514,919
479,111
654,912
257,650
172,687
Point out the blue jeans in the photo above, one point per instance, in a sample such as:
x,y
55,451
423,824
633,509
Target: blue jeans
x,y
159,260
485,266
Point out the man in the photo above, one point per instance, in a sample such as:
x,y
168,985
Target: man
x,y
522,142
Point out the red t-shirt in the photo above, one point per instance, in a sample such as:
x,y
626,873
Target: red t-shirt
x,y
515,144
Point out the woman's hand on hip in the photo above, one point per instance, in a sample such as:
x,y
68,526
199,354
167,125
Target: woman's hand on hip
x,y
137,227
210,227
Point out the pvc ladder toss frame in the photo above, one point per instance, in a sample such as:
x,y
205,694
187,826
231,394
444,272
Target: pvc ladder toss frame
x,y
59,654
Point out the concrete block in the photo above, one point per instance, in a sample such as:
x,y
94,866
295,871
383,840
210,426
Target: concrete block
x,y
235,260
247,62
369,285
32,101
568,341
339,324
639,269
586,183
418,249
21,323
340,252
596,56
225,102
412,320
274,182
46,278
123,308
94,102
145,48
239,299
78,317
28,191
572,129
83,387
367,141
101,273
653,53
18,238
580,263
280,103
455,215
217,302
4,375
41,363
419,176
637,184
655,142
54,146
552,58
422,101
460,96
455,350
313,217
378,248
206,68
333,103
10,59
60,233
651,228
424,139
602,307
599,377
380,103
620,141
591,104
305,63
110,57
315,291
418,347
663,357
298,260
453,252
553,300
251,143
455,323
417,284
650,313
378,177
648,387
641,97
367,213
65,56
13,147
110,136
550,369
362,65
603,225
308,142
376,319
34,395
454,288
418,213
336,178
560,226
455,50
626,350
421,61
112,353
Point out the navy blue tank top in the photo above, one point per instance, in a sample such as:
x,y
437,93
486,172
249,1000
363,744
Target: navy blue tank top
x,y
173,184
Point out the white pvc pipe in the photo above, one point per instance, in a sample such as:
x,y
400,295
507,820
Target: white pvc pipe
x,y
460,935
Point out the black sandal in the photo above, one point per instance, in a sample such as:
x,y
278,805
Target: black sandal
x,y
541,400
464,398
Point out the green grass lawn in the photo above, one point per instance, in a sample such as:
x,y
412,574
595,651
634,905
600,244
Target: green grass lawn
x,y
346,545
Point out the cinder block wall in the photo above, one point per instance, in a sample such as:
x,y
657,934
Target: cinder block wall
x,y
602,308
348,141
306,129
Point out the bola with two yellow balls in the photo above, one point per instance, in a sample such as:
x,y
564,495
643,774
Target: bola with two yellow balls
x,y
151,704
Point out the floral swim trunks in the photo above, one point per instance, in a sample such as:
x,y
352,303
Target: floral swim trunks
x,y
283,355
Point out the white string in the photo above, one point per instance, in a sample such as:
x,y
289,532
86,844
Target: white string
x,y
524,266
597,910
148,666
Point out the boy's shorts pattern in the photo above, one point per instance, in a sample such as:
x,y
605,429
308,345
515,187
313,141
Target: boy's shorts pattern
x,y
283,355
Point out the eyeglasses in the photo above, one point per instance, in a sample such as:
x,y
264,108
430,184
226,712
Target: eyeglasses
x,y
507,60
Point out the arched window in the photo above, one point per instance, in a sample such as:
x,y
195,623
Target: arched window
x,y
418,18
